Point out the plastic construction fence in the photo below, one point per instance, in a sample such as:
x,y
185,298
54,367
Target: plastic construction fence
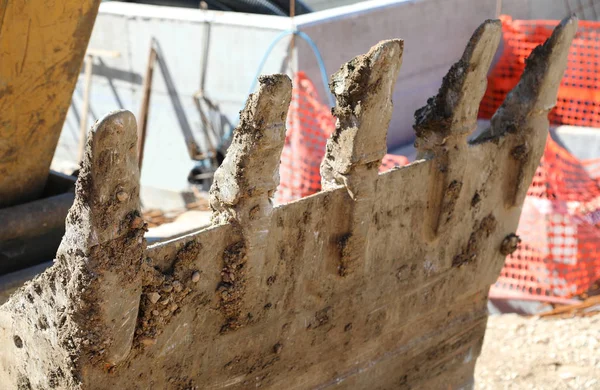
x,y
559,256
578,100
310,124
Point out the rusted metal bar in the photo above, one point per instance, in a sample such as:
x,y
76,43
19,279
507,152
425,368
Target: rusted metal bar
x,y
35,218
59,183
145,105
31,232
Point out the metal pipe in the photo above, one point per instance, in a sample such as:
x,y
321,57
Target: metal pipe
x,y
9,283
35,218
201,94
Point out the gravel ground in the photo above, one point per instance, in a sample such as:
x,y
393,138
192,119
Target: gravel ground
x,y
538,353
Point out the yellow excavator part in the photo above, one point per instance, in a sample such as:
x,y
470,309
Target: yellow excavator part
x,y
42,45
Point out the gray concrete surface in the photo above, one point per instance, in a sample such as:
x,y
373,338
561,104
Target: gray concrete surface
x,y
582,142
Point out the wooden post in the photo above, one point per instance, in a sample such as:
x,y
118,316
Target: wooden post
x,y
145,105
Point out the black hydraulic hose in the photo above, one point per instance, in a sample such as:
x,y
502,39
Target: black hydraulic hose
x,y
216,5
253,6
268,7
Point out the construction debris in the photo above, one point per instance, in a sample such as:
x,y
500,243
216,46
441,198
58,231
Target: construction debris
x,y
588,307
156,217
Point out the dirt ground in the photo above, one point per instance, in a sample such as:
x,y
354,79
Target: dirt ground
x,y
539,353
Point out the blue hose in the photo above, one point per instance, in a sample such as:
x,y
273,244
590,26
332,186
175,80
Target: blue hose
x,y
314,49
278,38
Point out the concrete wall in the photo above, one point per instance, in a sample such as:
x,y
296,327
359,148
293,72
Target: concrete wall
x,y
581,142
237,44
435,33
319,5
551,9
521,9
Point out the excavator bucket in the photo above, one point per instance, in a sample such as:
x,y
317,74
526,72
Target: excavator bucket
x,y
380,281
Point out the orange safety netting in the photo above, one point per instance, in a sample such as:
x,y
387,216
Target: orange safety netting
x,y
310,124
560,251
578,100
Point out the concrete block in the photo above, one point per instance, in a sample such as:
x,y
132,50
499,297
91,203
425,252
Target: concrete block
x,y
581,142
